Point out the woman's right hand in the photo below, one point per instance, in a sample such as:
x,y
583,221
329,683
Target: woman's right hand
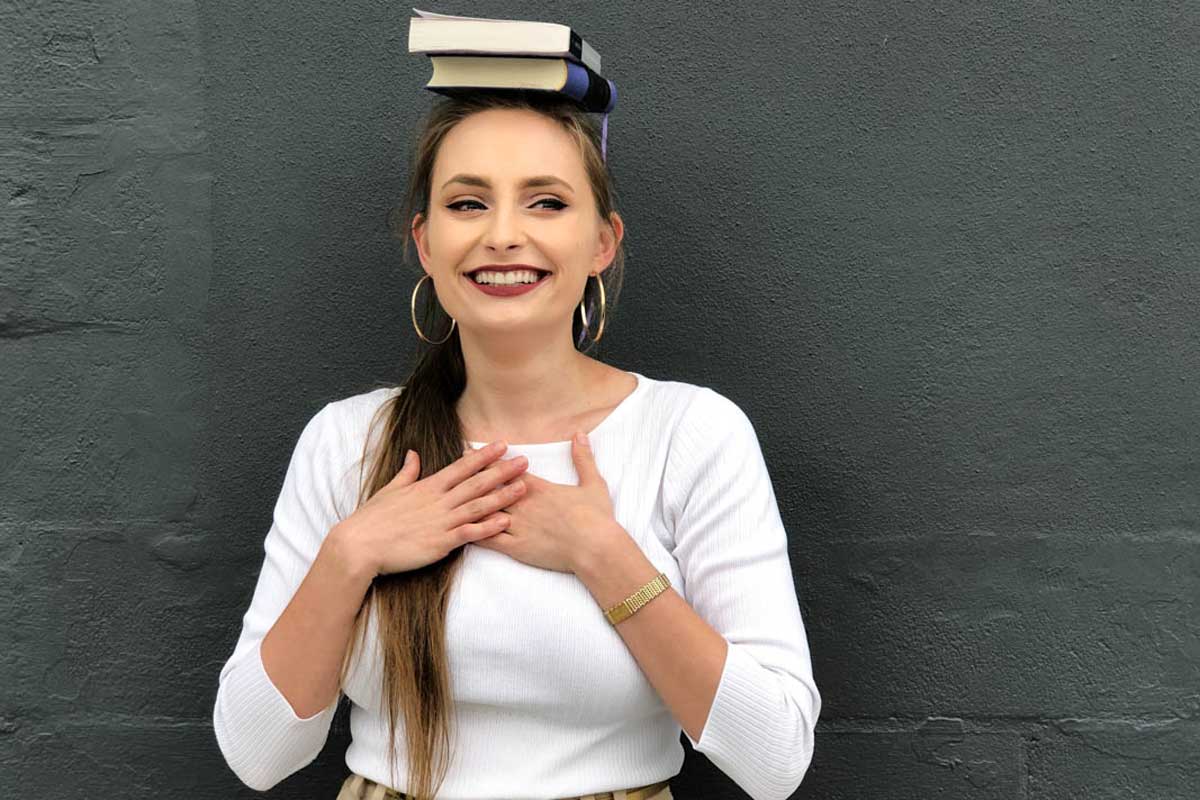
x,y
410,523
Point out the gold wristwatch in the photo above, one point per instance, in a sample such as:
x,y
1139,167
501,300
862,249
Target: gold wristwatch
x,y
625,608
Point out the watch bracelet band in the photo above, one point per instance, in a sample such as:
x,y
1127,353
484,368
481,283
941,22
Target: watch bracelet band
x,y
625,609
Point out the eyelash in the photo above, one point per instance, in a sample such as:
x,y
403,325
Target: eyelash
x,y
455,206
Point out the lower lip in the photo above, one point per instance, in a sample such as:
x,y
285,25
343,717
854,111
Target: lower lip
x,y
507,291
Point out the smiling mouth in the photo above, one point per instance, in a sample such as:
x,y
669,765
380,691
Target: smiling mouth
x,y
515,289
540,273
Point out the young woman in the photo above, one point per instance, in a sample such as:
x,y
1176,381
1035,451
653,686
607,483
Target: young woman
x,y
514,612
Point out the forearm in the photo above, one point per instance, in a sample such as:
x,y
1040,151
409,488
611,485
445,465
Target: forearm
x,y
303,652
681,655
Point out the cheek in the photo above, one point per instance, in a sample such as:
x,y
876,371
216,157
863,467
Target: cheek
x,y
567,250
447,242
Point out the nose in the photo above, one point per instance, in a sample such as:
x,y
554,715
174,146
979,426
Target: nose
x,y
504,231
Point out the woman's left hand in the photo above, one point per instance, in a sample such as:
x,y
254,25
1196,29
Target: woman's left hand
x,y
553,524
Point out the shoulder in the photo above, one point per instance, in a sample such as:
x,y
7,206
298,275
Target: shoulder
x,y
712,448
351,420
698,425
698,410
352,414
336,438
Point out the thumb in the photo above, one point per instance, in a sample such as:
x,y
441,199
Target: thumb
x,y
585,462
410,469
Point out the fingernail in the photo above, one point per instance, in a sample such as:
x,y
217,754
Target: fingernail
x,y
579,437
407,457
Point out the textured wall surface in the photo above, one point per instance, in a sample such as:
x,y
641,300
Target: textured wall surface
x,y
945,257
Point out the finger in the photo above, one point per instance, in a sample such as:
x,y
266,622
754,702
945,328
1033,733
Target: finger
x,y
459,470
499,542
532,480
501,471
483,529
492,502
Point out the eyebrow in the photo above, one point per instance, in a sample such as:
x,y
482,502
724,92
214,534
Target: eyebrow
x,y
536,180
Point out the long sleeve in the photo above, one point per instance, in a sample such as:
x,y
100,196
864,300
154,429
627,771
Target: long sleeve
x,y
260,735
731,547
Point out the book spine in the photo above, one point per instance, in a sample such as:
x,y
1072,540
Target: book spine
x,y
593,92
582,52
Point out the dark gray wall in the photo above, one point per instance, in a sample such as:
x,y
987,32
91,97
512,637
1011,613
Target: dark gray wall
x,y
945,256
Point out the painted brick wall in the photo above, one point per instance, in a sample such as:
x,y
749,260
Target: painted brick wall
x,y
945,256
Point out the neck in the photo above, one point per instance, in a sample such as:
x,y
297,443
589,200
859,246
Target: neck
x,y
520,392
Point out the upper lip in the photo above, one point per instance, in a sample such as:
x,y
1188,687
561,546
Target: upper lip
x,y
506,268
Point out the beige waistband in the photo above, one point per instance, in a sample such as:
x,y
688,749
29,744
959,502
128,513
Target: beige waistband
x,y
357,787
639,793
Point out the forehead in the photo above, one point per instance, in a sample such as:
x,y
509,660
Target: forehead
x,y
505,145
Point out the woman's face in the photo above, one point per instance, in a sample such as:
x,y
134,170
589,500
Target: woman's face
x,y
481,211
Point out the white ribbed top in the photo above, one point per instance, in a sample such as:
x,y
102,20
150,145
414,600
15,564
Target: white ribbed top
x,y
549,702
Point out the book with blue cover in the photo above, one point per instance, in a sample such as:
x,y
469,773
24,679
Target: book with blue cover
x,y
445,34
469,53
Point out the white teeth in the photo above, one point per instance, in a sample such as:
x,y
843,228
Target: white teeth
x,y
506,278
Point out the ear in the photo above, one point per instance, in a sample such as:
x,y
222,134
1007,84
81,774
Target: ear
x,y
609,236
419,229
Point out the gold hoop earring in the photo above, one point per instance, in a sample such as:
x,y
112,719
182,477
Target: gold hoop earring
x,y
583,312
453,321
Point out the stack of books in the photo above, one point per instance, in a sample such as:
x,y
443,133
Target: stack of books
x,y
470,53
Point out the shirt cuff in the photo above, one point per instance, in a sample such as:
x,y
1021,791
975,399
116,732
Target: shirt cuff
x,y
262,736
268,695
754,732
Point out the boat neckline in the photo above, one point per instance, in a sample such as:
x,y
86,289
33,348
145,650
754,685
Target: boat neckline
x,y
621,409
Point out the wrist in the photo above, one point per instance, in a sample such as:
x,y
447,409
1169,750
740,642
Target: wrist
x,y
341,550
615,568
596,549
